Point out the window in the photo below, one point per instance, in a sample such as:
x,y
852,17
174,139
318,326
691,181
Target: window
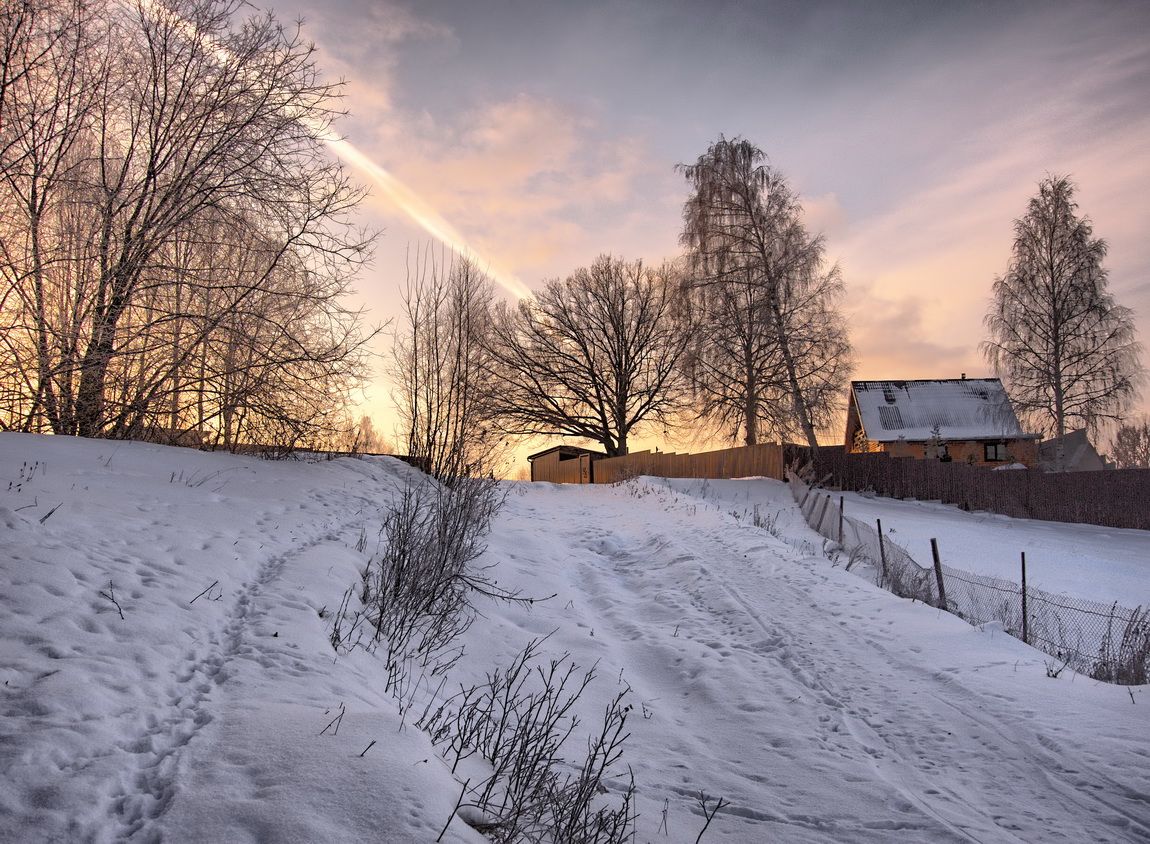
x,y
994,452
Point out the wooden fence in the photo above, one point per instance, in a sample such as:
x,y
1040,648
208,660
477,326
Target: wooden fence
x,y
764,460
1113,498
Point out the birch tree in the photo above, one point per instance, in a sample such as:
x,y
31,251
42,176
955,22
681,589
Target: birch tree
x,y
773,353
1065,350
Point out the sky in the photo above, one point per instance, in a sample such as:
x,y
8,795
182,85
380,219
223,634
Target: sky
x,y
167,670
545,134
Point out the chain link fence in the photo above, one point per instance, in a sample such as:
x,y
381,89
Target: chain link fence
x,y
1104,641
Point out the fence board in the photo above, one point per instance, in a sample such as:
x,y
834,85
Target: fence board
x,y
764,460
1112,498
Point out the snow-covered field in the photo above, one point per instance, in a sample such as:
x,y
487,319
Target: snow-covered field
x,y
818,707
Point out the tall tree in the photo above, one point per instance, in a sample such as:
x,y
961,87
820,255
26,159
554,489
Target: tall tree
x,y
175,239
439,361
595,356
1065,350
774,351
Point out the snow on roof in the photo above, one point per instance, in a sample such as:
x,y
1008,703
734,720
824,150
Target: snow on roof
x,y
962,409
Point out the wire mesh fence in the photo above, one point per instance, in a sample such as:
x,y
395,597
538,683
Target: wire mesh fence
x,y
1105,641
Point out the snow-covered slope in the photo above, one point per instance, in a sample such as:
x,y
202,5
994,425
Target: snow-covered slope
x,y
818,707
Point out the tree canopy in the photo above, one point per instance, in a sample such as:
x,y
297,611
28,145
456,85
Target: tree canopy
x,y
773,352
594,356
1065,350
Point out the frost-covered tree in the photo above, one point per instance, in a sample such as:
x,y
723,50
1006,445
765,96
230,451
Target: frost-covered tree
x,y
773,352
1064,348
176,242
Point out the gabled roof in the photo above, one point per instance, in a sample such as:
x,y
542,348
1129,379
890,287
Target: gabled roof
x,y
567,452
1078,454
961,408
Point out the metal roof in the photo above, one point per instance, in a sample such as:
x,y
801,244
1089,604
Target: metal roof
x,y
952,409
567,451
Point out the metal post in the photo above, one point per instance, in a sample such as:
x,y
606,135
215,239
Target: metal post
x,y
881,551
841,508
818,525
938,574
1025,620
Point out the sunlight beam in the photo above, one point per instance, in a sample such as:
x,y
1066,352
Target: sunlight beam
x,y
419,210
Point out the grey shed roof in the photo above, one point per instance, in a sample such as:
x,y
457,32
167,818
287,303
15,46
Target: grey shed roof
x,y
962,409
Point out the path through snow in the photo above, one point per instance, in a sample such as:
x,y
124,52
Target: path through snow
x,y
819,708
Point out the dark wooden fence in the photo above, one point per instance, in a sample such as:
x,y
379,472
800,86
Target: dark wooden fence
x,y
1112,498
764,460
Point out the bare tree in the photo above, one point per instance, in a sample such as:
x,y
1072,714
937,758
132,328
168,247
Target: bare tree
x,y
595,356
774,352
438,365
176,239
1131,446
1065,350
53,56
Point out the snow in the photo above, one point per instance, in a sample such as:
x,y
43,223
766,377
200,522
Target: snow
x,y
964,409
820,708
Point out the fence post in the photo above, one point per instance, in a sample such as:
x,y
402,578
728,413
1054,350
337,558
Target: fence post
x,y
842,506
818,525
938,574
1025,631
881,551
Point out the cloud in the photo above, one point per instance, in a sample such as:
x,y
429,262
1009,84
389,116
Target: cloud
x,y
533,182
358,42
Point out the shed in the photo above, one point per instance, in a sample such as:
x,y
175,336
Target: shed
x,y
952,419
564,464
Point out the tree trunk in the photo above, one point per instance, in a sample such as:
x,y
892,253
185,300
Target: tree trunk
x,y
800,404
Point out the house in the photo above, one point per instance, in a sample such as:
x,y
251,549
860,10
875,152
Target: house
x,y
1077,454
955,419
564,464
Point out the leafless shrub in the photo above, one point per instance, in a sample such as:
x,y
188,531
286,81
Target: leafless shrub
x,y
415,599
518,722
1126,662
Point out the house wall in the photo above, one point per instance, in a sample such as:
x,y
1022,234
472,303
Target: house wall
x,y
971,452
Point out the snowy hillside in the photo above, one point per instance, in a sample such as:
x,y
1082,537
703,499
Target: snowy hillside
x,y
167,673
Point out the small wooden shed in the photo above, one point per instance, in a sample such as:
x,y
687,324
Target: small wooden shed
x,y
564,464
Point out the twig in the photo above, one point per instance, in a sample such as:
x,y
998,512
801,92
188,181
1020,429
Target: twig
x,y
709,815
44,518
336,721
451,817
206,591
110,595
369,747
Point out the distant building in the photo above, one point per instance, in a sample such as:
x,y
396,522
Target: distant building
x,y
1077,455
564,464
956,419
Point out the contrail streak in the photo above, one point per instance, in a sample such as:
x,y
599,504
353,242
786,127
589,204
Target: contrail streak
x,y
418,210
408,200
